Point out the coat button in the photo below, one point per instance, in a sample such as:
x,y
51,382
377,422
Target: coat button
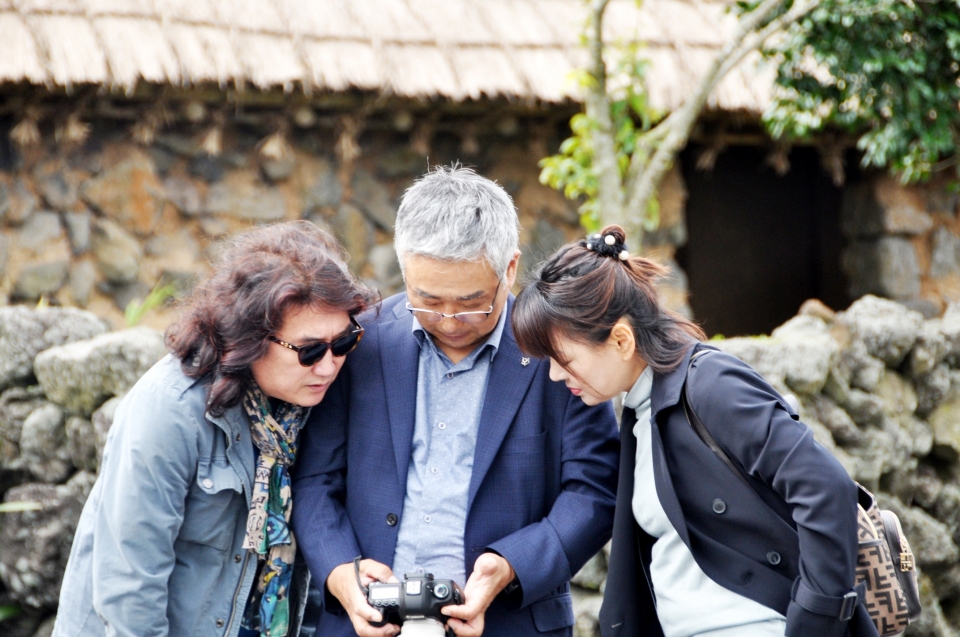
x,y
392,519
773,557
219,623
719,506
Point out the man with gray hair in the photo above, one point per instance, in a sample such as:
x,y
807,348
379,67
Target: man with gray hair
x,y
441,449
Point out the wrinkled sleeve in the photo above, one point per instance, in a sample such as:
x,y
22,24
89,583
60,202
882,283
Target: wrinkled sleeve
x,y
148,466
750,421
546,554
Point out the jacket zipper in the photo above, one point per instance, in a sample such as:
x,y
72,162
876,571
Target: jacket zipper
x,y
236,594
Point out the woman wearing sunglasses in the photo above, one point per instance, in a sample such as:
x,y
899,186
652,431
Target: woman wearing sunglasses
x,y
186,531
761,542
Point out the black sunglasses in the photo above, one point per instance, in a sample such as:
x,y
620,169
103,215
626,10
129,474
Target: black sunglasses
x,y
340,346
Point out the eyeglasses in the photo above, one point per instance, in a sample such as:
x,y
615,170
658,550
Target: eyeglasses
x,y
432,316
340,346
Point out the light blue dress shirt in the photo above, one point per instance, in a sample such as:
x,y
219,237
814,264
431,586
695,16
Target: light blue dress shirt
x,y
449,402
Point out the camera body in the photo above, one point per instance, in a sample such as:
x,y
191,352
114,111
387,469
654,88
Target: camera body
x,y
416,597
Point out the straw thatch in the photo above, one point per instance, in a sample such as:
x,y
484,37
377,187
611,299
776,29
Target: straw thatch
x,y
454,49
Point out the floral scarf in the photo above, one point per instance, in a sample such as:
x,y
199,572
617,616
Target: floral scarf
x,y
268,531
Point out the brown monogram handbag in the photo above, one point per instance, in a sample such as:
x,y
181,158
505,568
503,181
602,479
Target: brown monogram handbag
x,y
885,566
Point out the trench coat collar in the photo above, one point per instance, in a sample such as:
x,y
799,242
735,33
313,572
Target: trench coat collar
x,y
667,387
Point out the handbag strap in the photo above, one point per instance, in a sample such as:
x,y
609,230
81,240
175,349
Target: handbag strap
x,y
698,425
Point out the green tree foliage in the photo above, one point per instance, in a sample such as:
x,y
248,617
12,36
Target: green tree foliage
x,y
573,170
621,148
884,71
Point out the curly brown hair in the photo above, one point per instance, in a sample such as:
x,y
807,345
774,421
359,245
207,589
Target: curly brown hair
x,y
258,277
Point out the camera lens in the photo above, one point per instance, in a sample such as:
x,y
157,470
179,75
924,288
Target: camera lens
x,y
441,591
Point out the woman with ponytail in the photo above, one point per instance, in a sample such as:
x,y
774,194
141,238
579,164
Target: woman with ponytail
x,y
747,528
186,531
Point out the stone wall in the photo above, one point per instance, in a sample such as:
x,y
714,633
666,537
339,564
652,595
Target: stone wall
x,y
880,387
98,226
903,242
61,373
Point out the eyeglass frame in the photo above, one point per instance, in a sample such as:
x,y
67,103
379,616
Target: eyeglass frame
x,y
457,315
359,330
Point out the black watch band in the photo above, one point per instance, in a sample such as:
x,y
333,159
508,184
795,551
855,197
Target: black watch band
x,y
511,588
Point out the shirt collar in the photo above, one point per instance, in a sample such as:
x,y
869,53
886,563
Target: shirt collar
x,y
640,392
493,340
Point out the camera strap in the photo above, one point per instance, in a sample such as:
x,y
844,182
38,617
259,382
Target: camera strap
x,y
356,570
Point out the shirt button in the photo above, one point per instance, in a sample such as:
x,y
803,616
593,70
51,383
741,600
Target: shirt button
x,y
442,425
427,518
237,559
450,375
434,470
392,519
207,483
220,623
773,557
420,570
719,506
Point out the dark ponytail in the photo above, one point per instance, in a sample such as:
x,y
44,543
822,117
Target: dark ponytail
x,y
585,288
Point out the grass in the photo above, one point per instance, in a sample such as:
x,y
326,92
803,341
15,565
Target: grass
x,y
136,309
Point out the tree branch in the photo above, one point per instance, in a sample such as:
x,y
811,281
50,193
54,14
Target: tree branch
x,y
609,187
645,175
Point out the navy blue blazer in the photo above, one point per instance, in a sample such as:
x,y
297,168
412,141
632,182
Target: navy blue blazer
x,y
542,493
796,519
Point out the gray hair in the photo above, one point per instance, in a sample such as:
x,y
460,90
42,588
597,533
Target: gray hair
x,y
454,214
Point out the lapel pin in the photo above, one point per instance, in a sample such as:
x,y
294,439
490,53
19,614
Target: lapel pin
x,y
524,361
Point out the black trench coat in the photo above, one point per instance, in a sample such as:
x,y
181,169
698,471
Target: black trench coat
x,y
796,519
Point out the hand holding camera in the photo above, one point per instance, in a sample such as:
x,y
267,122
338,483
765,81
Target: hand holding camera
x,y
342,584
491,574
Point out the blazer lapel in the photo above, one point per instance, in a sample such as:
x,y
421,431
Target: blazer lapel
x,y
506,387
400,354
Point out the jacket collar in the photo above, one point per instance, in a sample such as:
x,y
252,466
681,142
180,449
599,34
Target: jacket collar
x,y
667,387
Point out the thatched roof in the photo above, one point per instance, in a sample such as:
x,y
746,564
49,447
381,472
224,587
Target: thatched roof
x,y
454,49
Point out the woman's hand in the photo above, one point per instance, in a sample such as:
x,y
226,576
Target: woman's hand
x,y
342,583
491,574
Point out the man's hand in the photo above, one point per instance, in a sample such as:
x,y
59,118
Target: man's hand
x,y
342,583
491,574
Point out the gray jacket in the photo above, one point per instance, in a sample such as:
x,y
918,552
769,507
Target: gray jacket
x,y
158,547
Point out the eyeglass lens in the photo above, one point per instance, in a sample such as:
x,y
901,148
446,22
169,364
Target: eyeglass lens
x,y
465,317
342,346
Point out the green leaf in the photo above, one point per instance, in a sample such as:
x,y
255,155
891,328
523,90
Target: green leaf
x,y
8,611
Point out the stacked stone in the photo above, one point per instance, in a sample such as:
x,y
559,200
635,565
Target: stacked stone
x,y
61,376
903,241
880,387
99,226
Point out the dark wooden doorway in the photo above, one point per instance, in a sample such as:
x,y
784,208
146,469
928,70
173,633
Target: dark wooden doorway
x,y
760,244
